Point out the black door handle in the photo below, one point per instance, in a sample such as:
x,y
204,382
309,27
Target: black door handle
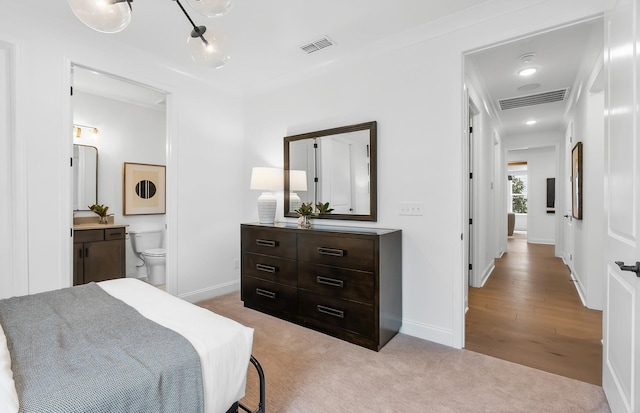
x,y
632,268
566,215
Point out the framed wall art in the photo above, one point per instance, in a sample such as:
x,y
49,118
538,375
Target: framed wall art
x,y
144,191
576,181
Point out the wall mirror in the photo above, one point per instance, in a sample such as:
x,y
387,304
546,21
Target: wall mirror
x,y
85,177
337,166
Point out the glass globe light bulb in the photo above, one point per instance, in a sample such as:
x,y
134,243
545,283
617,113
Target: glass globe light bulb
x,y
106,16
211,8
213,53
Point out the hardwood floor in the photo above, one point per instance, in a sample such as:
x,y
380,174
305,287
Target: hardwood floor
x,y
529,312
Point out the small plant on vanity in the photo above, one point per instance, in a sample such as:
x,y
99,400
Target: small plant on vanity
x,y
101,210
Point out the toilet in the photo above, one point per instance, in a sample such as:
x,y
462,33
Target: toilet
x,y
146,244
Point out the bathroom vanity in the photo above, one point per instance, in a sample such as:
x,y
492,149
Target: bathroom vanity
x,y
98,252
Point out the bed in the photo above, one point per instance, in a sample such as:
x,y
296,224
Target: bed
x,y
121,345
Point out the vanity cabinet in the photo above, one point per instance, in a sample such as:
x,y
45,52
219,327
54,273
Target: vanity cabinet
x,y
343,281
99,254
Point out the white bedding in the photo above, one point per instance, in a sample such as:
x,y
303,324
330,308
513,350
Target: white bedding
x,y
224,346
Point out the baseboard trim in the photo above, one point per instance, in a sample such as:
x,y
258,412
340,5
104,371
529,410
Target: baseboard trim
x,y
210,292
579,289
427,332
541,241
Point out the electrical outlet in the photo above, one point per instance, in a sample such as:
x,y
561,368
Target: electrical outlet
x,y
411,208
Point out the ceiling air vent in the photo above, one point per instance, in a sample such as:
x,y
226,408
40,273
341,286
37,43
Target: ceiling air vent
x,y
317,45
537,99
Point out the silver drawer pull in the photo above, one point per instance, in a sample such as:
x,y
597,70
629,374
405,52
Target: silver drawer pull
x,y
265,293
266,243
329,281
330,311
266,268
331,251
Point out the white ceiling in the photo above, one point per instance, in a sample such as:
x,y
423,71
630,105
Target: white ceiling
x,y
563,57
265,39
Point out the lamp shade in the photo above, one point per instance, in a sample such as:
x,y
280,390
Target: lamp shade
x,y
297,180
213,52
106,16
211,8
266,179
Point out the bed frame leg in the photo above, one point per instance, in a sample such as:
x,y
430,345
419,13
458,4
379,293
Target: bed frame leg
x,y
261,404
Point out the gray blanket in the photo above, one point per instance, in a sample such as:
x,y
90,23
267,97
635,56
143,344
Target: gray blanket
x,y
81,350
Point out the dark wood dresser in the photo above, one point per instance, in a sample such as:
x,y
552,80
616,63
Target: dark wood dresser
x,y
343,281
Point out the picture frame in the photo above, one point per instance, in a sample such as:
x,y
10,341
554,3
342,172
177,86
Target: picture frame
x,y
144,189
576,181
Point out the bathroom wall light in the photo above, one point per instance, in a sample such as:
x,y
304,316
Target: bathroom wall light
x,y
531,122
78,129
112,16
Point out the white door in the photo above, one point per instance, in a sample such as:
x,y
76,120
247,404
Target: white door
x,y
568,218
621,316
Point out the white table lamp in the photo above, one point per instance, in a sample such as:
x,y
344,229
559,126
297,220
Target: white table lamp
x,y
297,182
267,180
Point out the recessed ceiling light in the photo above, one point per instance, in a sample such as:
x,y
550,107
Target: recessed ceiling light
x,y
528,71
531,122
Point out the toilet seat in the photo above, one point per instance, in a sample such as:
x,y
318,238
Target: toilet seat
x,y
155,252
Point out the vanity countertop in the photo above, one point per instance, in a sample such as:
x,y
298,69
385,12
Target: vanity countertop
x,y
80,223
80,227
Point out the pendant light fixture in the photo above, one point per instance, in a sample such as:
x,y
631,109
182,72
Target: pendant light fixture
x,y
106,16
211,8
111,16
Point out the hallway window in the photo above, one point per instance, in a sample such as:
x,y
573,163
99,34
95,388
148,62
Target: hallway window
x,y
519,192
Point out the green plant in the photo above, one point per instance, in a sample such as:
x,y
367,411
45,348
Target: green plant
x,y
323,208
101,210
305,210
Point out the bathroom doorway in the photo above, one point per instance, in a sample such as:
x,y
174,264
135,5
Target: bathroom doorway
x,y
126,121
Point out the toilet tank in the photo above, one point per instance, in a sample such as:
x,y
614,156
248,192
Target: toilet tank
x,y
145,239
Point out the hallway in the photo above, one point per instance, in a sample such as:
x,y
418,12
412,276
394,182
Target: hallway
x,y
529,312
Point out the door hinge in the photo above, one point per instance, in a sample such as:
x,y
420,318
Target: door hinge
x,y
71,161
470,221
470,267
461,236
470,129
71,91
470,175
71,232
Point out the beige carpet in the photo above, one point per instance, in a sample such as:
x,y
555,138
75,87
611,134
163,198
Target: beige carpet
x,y
310,372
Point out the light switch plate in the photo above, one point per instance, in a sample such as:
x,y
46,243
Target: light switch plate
x,y
411,208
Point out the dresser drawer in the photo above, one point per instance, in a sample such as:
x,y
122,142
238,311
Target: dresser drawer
x,y
270,268
269,242
337,282
337,251
268,296
348,315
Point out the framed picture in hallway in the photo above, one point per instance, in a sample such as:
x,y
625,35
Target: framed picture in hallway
x,y
576,181
143,189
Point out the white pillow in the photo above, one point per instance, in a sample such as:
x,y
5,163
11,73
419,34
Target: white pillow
x,y
8,395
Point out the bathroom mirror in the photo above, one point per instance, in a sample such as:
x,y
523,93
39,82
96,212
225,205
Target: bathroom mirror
x,y
335,165
85,177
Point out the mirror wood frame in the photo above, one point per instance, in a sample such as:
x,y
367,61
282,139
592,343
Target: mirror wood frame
x,y
373,169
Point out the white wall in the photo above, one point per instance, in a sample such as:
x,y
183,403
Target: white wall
x,y
205,132
415,93
128,133
416,96
589,267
